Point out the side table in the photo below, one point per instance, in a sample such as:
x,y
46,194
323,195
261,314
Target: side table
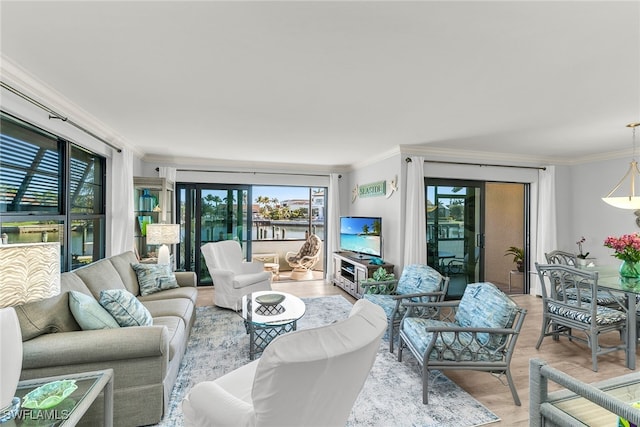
x,y
271,263
70,411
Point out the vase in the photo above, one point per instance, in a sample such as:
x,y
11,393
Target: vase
x,y
630,272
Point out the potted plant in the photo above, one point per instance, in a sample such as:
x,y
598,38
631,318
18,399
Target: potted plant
x,y
581,257
518,256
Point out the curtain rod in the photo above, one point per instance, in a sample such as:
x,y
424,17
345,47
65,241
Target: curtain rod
x,y
55,115
255,173
408,159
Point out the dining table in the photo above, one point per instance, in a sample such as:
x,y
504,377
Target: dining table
x,y
609,279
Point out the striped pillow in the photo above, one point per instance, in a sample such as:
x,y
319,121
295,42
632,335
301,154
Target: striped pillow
x,y
125,308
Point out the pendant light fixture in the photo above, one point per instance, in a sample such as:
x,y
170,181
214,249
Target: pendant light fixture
x,y
632,200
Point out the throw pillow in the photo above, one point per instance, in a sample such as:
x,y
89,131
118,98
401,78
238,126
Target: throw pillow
x,y
46,316
125,308
154,278
89,313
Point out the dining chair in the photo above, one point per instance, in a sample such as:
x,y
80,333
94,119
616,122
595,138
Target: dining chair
x,y
567,299
605,298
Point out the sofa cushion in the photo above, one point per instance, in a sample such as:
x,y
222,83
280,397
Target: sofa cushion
x,y
189,293
89,313
154,278
122,263
178,307
99,276
125,308
46,316
69,281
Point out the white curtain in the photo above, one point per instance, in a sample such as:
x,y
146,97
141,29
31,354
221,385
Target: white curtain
x,y
167,172
332,239
415,233
546,232
121,215
170,174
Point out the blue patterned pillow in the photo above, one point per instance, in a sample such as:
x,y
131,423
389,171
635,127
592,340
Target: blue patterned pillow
x,y
154,278
125,308
485,306
89,313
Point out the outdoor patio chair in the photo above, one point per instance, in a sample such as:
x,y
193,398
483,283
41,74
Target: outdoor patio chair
x,y
232,276
305,259
478,332
567,295
418,283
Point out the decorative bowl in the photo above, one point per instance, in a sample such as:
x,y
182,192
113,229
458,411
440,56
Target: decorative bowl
x,y
49,395
270,299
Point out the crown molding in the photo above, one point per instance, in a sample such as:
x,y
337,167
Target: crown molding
x,y
236,165
18,78
508,158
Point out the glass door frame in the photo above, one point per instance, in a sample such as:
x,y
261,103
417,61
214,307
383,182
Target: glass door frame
x,y
475,257
189,211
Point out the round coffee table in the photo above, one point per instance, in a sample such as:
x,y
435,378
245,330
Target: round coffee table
x,y
268,314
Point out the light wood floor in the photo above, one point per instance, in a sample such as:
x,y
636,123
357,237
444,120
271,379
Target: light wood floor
x,y
570,357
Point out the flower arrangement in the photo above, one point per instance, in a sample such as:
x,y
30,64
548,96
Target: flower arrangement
x,y
580,254
627,247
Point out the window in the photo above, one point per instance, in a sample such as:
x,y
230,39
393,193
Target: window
x,y
287,213
51,190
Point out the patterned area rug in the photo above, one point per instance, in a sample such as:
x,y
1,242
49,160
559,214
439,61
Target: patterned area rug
x,y
392,395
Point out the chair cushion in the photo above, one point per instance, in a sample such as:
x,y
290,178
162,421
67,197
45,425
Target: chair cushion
x,y
154,278
418,278
603,297
89,313
125,308
485,306
604,315
449,346
387,302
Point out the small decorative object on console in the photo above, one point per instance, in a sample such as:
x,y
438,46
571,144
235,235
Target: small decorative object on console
x,y
49,395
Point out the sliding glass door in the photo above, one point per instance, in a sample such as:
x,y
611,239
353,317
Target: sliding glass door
x,y
211,213
455,238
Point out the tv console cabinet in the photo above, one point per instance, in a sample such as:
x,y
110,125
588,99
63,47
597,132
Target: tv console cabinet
x,y
349,271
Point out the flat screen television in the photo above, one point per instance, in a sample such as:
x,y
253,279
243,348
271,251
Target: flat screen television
x,y
361,235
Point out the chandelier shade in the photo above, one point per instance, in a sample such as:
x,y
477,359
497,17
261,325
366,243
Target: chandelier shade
x,y
632,200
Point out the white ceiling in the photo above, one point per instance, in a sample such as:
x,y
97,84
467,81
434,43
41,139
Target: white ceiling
x,y
334,83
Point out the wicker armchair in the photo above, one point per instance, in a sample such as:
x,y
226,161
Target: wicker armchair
x,y
303,261
478,332
418,283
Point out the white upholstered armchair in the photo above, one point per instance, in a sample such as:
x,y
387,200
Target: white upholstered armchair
x,y
310,377
233,277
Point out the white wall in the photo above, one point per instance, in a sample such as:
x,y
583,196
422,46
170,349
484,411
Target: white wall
x,y
585,214
387,208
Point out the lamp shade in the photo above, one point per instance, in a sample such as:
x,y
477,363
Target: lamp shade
x,y
29,272
163,234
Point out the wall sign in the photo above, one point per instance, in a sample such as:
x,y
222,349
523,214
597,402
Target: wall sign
x,y
375,189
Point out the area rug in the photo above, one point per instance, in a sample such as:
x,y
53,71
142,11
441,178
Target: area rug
x,y
392,395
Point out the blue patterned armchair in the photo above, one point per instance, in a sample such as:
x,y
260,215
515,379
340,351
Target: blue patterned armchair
x,y
478,332
418,283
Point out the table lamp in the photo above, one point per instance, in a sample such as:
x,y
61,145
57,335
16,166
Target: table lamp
x,y
163,234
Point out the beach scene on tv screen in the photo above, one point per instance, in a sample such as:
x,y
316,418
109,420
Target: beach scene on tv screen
x,y
360,235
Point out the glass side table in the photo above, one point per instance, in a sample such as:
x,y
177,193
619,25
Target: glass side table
x,y
69,411
265,322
